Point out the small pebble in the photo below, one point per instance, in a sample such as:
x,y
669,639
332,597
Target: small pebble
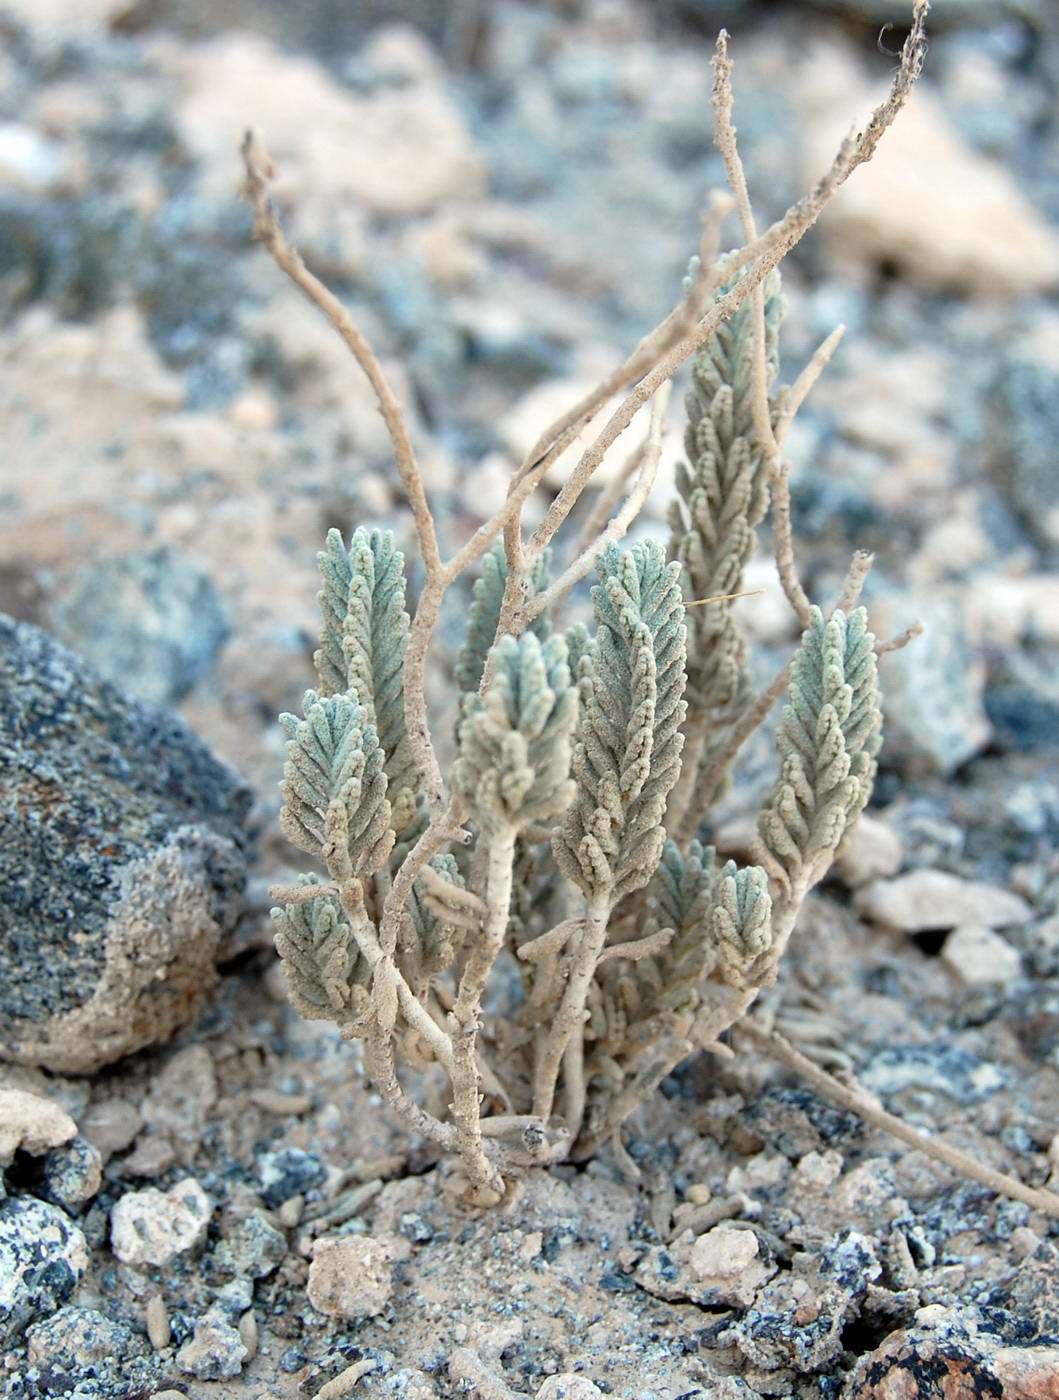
x,y
248,1331
272,1101
73,1174
152,1156
569,1387
111,1125
159,1332
216,1352
290,1212
341,1385
978,957
1025,1242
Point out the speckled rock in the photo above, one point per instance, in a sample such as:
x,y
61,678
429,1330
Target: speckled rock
x,y
939,1066
944,1354
31,1124
288,1172
216,1352
797,1320
121,864
796,1122
42,1258
252,1249
72,1174
151,622
350,1277
151,1227
78,1346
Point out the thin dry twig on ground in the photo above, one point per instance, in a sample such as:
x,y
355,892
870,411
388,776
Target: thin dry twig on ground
x,y
856,1100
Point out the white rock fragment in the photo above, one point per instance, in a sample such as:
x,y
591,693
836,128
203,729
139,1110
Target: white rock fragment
x,y
31,1124
873,851
152,1227
351,1277
1003,610
569,1387
948,215
47,16
401,149
818,1171
725,1262
981,958
723,1253
934,899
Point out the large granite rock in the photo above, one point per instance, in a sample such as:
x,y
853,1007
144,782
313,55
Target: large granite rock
x,y
121,862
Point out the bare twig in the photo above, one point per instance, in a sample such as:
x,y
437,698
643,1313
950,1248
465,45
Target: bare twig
x,y
584,563
636,948
724,598
268,230
856,574
901,640
792,398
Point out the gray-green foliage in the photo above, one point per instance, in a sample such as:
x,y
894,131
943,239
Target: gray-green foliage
x,y
828,741
363,638
722,497
739,929
720,917
628,752
430,939
680,891
334,787
719,921
326,976
578,647
514,743
483,617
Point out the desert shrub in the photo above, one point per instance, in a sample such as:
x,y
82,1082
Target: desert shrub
x,y
571,845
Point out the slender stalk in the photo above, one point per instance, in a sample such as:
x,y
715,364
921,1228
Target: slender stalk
x,y
571,1014
485,1180
855,1100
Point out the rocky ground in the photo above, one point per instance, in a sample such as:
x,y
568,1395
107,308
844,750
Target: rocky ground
x,y
202,1198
